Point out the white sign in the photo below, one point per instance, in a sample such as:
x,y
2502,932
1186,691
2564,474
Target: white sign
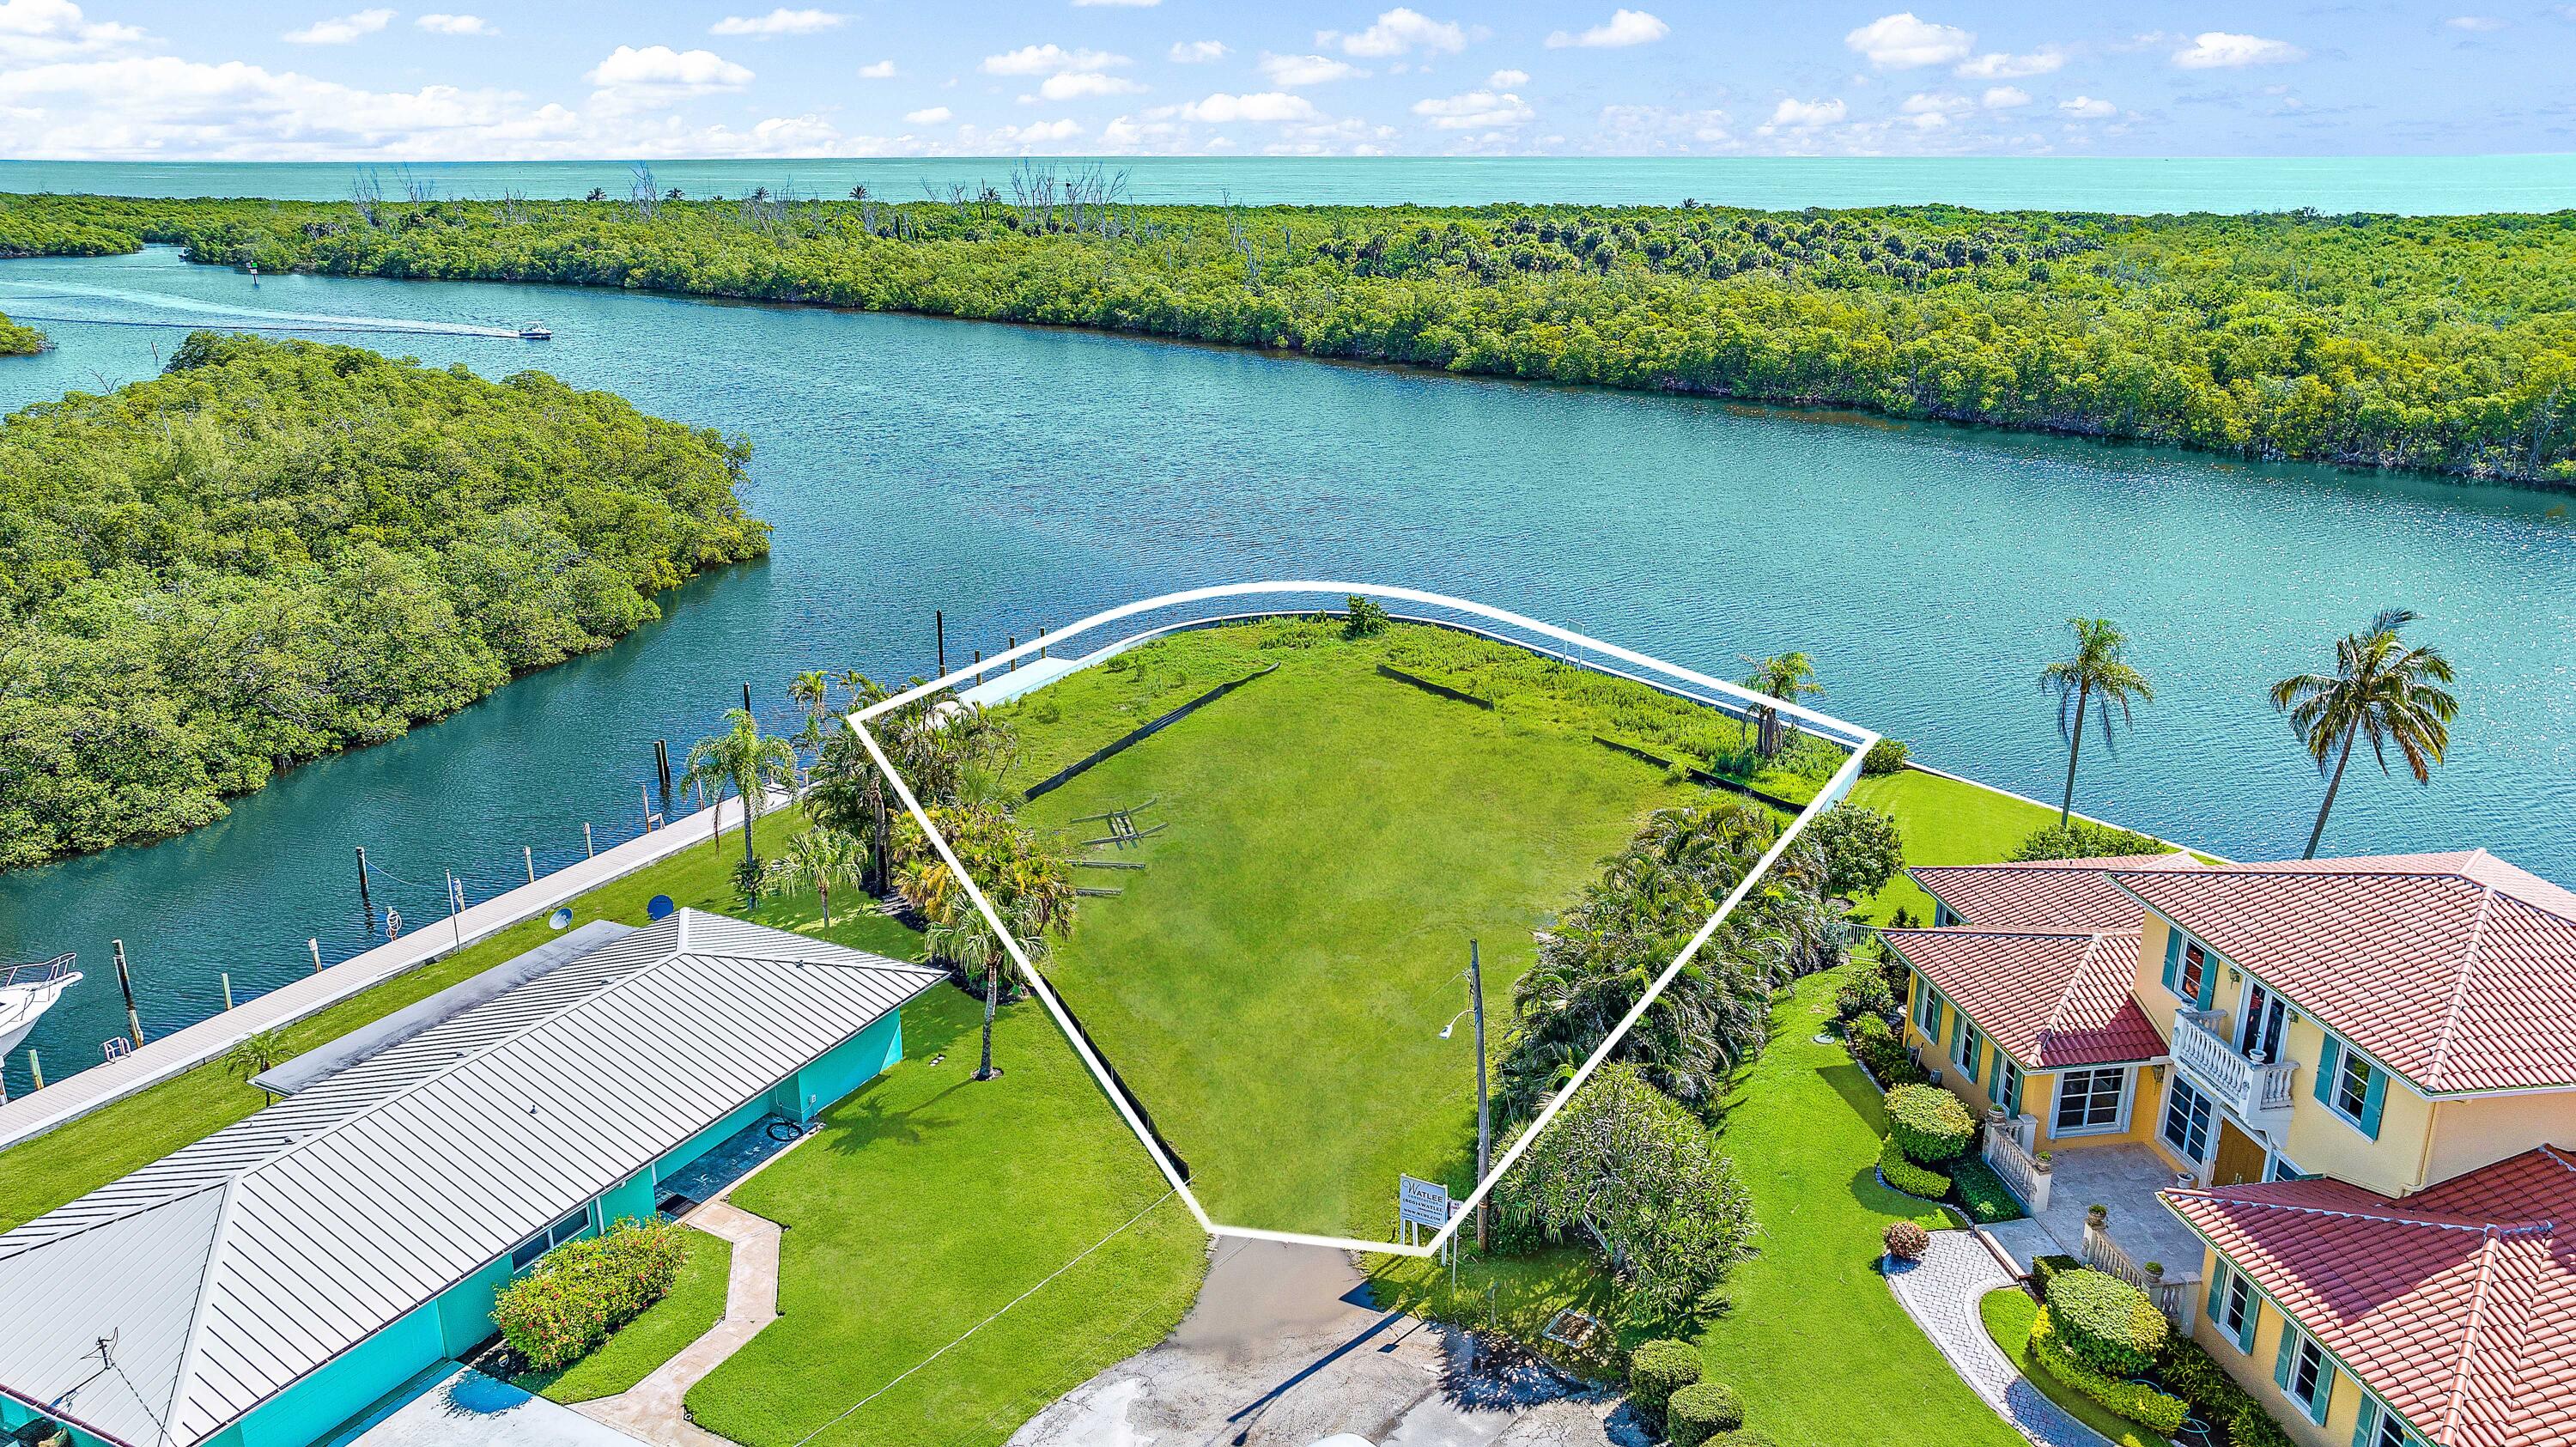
x,y
1423,1203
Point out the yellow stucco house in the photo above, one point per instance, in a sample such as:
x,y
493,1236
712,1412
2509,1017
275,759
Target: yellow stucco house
x,y
2361,1077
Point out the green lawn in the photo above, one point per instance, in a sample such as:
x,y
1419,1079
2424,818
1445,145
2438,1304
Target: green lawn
x,y
1943,821
2008,1312
1273,984
696,1302
926,1203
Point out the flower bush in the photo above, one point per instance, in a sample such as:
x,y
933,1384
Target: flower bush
x,y
1929,1124
1908,1177
2141,1404
1700,1412
2106,1323
1906,1241
1656,1370
581,1291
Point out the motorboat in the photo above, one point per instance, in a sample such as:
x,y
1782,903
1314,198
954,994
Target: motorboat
x,y
536,334
27,992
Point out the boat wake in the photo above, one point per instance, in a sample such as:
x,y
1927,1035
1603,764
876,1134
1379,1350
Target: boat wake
x,y
154,309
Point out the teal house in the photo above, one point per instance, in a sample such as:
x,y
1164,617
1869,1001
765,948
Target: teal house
x,y
265,1285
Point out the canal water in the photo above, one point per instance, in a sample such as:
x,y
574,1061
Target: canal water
x,y
1016,476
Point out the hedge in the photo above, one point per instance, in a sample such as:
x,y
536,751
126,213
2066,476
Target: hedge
x,y
1929,1124
2106,1323
2196,1377
2044,1269
1884,757
583,1290
1701,1411
1908,1177
1656,1370
1983,1192
2139,1403
1884,1055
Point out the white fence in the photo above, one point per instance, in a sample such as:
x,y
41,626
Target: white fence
x,y
2004,1152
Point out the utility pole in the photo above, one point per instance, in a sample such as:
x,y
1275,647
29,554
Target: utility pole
x,y
1484,1111
125,982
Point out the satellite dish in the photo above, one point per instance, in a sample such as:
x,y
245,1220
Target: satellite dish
x,y
659,908
559,918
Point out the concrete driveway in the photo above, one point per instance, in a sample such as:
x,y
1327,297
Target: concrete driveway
x,y
1284,1347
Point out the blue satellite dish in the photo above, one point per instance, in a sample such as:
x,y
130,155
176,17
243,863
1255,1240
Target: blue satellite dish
x,y
659,908
559,918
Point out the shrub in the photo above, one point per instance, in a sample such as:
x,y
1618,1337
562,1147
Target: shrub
x,y
583,1290
1861,849
1884,757
1702,1410
1366,619
1656,1370
1887,1060
2044,1269
1929,1124
2106,1323
1865,997
1984,1193
1908,1177
2193,1375
1867,1030
2082,839
2141,1404
1905,1240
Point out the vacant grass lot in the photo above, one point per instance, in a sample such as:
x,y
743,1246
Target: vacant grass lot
x,y
1273,984
929,1201
695,1303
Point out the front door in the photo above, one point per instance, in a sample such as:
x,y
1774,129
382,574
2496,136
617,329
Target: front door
x,y
2240,1157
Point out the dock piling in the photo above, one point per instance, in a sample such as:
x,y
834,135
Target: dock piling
x,y
366,905
1015,663
227,977
939,628
662,766
125,982
315,945
528,856
36,1069
589,848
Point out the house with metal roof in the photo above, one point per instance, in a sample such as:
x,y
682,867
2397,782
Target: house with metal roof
x,y
2354,1088
264,1285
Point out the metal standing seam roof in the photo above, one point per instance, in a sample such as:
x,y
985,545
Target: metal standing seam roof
x,y
2053,1000
238,1264
2457,970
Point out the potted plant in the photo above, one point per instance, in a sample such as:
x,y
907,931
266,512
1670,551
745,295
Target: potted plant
x,y
2097,1216
2040,1160
2155,1271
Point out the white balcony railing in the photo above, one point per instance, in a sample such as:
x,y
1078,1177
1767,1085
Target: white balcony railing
x,y
2175,1296
2256,1090
2004,1152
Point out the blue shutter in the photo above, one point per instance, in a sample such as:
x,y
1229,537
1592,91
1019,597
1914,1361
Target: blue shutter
x,y
2281,1358
2328,1064
2325,1392
2208,980
2371,1100
2253,1318
2218,1294
2173,960
2365,1431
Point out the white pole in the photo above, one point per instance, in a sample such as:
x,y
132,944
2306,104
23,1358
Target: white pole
x,y
588,849
228,989
315,945
455,908
528,855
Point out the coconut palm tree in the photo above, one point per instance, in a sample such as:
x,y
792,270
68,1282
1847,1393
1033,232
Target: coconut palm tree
x,y
969,946
2381,690
818,858
1787,677
751,762
2099,676
257,1053
813,690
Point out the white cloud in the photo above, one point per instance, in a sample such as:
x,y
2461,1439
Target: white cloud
x,y
2479,23
33,30
1197,52
1934,103
1036,135
659,73
1221,108
781,21
340,30
1049,60
1901,42
930,117
1997,65
878,70
1476,110
1506,79
2006,97
2219,50
1633,128
1399,32
1799,115
1292,71
1624,28
2086,108
1078,84
456,25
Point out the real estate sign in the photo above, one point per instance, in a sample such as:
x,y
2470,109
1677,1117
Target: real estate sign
x,y
1421,1203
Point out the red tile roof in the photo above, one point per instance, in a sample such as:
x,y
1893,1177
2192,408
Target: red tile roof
x,y
2456,1305
2067,894
2052,1001
2457,971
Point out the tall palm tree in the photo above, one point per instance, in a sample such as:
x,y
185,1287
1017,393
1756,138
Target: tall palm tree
x,y
2381,690
813,690
1787,677
818,858
753,763
2098,676
968,944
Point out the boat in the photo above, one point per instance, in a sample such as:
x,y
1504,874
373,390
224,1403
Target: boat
x,y
27,992
536,334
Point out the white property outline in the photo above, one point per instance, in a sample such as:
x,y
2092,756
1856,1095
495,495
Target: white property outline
x,y
1856,738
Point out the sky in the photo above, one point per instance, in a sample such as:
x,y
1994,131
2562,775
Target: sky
x,y
301,80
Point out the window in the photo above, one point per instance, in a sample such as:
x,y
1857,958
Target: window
x,y
2380,1427
2188,971
1965,1047
2234,1306
2007,1092
1941,916
2352,1087
2303,1371
2284,1170
525,1254
2195,971
2091,1100
2187,1120
1927,1011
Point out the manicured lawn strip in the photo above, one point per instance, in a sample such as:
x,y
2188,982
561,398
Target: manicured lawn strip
x,y
1274,983
696,1302
1080,712
1518,1294
1942,821
926,1203
85,1154
2008,1312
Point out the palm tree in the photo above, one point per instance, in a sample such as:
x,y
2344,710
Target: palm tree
x,y
2099,676
257,1053
812,689
819,858
968,944
2381,690
748,760
1787,677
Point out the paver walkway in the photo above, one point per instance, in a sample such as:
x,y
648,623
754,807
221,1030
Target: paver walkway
x,y
652,1409
1941,1293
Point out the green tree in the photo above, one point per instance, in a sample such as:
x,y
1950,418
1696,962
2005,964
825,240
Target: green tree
x,y
1787,677
256,1054
2381,690
818,858
2100,676
749,761
1861,848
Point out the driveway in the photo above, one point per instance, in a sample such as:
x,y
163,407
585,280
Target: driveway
x,y
1284,1347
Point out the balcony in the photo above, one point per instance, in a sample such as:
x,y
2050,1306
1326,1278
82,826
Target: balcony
x,y
2256,1092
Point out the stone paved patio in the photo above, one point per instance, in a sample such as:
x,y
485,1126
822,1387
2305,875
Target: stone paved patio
x,y
2126,1179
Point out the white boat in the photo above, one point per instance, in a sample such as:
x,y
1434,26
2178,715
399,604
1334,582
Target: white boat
x,y
27,992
